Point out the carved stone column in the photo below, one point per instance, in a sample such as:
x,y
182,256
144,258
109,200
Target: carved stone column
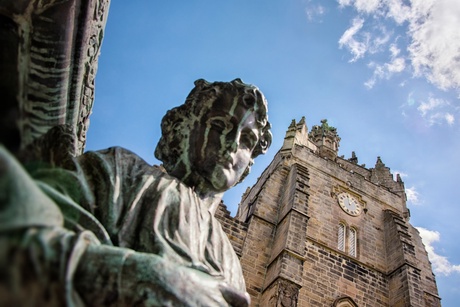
x,y
48,61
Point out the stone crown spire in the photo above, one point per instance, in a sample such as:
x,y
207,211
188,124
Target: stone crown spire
x,y
327,140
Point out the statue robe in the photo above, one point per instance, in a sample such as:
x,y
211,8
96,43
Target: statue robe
x,y
111,197
139,206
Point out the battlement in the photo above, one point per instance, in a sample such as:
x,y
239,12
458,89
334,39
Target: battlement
x,y
324,141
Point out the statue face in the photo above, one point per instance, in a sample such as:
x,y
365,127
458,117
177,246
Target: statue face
x,y
221,144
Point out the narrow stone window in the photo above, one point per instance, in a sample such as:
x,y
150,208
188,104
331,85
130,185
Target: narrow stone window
x,y
352,242
341,237
344,301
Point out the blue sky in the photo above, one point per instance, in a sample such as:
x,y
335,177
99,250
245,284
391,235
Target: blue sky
x,y
385,73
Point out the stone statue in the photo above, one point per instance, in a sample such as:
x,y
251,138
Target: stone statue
x,y
106,228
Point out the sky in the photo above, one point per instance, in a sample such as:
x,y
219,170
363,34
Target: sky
x,y
386,74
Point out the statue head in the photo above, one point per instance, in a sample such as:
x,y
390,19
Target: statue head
x,y
212,139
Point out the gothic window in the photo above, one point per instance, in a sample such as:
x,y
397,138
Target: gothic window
x,y
341,237
352,241
344,301
346,239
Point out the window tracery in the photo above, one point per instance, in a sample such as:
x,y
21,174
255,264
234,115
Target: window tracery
x,y
347,239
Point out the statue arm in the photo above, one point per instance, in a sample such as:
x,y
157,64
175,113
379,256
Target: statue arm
x,y
117,276
53,266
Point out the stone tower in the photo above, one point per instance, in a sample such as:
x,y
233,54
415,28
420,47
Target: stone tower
x,y
320,230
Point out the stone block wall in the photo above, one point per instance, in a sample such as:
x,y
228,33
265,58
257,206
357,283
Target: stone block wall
x,y
236,230
287,228
329,275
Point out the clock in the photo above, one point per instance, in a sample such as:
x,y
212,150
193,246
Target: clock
x,y
349,204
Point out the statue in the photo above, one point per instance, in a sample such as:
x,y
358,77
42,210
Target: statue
x,y
106,228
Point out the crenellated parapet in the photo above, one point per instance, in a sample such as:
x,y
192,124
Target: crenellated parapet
x,y
324,141
381,175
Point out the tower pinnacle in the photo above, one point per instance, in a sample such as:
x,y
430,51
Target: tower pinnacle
x,y
327,140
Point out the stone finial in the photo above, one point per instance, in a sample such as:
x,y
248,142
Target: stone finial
x,y
297,133
382,175
302,122
379,163
354,158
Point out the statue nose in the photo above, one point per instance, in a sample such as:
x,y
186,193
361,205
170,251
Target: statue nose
x,y
232,139
232,145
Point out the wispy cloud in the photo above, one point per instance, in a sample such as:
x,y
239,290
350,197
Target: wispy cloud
x,y
433,110
441,265
412,196
431,30
385,71
401,174
349,40
366,6
411,193
314,12
430,105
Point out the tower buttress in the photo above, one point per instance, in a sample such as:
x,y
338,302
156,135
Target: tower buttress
x,y
297,133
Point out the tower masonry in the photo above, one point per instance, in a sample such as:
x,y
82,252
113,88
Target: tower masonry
x,y
320,230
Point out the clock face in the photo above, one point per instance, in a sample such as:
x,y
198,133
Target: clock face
x,y
349,204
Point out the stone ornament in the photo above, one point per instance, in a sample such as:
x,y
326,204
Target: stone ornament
x,y
49,51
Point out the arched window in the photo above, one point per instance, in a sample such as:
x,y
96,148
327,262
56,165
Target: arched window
x,y
344,301
346,239
341,237
352,241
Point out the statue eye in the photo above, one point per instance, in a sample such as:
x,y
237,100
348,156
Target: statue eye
x,y
248,140
249,100
218,125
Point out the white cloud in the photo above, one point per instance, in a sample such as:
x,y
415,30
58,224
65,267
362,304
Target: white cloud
x,y
431,104
343,3
450,119
441,117
367,6
441,265
394,50
314,12
357,48
412,196
386,71
434,110
397,10
379,39
433,49
401,174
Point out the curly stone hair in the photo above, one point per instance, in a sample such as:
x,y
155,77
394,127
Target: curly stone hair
x,y
176,124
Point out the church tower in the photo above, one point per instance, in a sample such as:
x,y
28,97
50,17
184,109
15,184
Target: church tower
x,y
320,230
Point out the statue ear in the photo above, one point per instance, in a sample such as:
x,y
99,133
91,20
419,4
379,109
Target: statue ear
x,y
200,83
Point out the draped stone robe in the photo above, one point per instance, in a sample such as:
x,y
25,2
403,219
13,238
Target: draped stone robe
x,y
127,203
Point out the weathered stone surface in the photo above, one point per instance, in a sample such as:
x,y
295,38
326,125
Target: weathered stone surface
x,y
48,62
293,218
